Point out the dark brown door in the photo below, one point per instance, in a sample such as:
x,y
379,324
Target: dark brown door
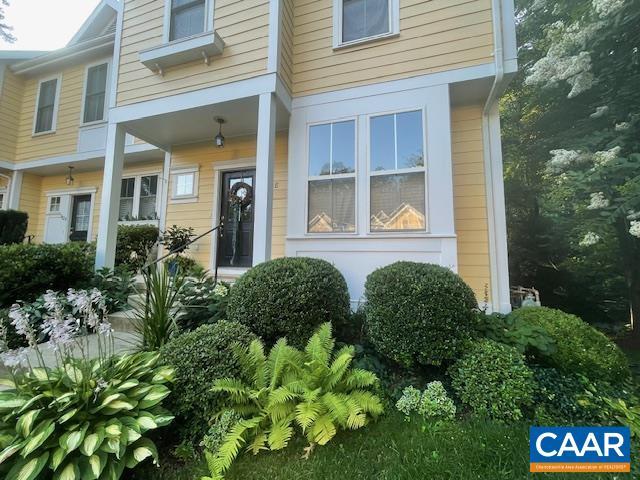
x,y
80,218
235,247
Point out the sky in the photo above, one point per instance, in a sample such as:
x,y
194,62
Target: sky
x,y
45,24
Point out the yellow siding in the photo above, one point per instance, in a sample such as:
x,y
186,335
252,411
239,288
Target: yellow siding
x,y
243,25
10,103
470,199
435,35
285,69
30,202
199,215
65,139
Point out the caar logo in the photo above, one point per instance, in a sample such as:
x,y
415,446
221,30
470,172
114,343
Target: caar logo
x,y
579,449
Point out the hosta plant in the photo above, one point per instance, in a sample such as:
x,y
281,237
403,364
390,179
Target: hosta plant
x,y
82,418
315,390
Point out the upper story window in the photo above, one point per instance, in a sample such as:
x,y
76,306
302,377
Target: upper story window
x,y
360,20
2,194
187,18
46,106
95,93
139,198
332,178
397,173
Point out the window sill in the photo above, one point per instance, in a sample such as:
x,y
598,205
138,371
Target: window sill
x,y
197,47
354,43
370,236
138,222
185,199
42,134
93,124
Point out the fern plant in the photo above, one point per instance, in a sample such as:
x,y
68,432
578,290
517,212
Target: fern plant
x,y
315,390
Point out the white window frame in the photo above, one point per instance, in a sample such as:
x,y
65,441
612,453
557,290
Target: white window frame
x,y
50,211
137,188
209,7
192,197
56,105
107,92
331,176
394,25
424,169
3,201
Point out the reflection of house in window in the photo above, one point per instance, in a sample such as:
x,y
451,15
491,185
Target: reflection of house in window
x,y
405,217
321,223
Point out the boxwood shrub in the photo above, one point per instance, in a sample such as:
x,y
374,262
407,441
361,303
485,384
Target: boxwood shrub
x,y
289,297
418,313
580,348
27,271
493,380
13,226
134,244
200,357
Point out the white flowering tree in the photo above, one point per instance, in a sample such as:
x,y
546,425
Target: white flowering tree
x,y
5,29
578,102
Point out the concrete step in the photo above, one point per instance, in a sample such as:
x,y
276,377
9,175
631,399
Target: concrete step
x,y
123,321
136,300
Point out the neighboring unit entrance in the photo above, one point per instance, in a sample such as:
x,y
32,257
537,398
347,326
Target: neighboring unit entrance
x,y
235,247
68,218
80,218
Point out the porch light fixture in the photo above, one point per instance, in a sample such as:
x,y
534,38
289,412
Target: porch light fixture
x,y
220,137
70,178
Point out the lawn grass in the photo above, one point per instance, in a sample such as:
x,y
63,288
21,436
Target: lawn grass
x,y
393,449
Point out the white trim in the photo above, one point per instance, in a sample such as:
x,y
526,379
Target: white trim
x,y
89,21
207,96
56,104
218,169
209,6
70,191
202,46
394,25
164,201
413,83
115,64
15,190
193,196
107,86
275,20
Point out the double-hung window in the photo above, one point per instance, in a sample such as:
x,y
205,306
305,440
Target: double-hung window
x,y
332,178
46,107
397,172
139,198
187,18
359,20
95,93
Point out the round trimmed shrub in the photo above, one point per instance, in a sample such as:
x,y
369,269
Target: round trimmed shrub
x,y
580,348
418,313
200,357
493,380
289,297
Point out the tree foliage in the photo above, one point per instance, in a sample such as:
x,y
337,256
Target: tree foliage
x,y
5,28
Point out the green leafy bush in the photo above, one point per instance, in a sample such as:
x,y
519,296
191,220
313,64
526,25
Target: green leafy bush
x,y
199,357
13,226
526,337
432,404
134,244
315,389
417,313
27,271
289,297
580,348
493,380
219,429
203,302
116,285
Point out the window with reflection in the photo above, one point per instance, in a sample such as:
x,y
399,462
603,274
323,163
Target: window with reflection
x,y
187,18
332,178
397,173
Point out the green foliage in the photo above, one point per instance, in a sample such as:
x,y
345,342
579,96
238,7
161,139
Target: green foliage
x,y
199,357
493,380
176,238
220,428
203,302
580,348
187,265
26,271
86,420
13,226
289,297
155,315
516,332
627,415
431,404
417,313
116,285
134,245
315,390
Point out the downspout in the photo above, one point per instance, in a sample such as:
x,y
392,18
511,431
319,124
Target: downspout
x,y
493,167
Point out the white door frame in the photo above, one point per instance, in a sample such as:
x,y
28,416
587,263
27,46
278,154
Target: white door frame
x,y
218,169
72,193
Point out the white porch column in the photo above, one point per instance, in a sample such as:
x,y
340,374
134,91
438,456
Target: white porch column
x,y
263,190
111,184
15,187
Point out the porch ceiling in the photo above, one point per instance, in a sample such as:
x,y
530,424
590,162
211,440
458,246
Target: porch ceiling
x,y
199,125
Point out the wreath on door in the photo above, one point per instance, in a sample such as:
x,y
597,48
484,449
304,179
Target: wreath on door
x,y
241,194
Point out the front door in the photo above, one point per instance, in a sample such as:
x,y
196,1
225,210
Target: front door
x,y
57,220
235,247
80,218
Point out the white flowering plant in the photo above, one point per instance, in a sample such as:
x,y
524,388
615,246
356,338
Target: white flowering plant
x,y
431,404
84,416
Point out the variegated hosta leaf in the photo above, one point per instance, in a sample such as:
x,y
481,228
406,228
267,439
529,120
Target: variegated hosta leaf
x,y
73,439
10,451
91,443
59,454
164,375
29,468
94,466
37,437
70,471
154,397
10,401
140,451
26,422
68,416
146,421
127,384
